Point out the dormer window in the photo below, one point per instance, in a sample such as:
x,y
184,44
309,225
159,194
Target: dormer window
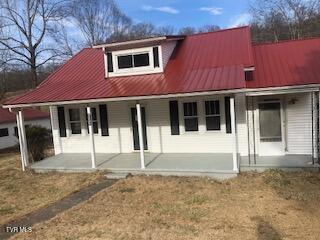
x,y
133,60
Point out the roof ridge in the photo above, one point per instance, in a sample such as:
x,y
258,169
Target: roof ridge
x,y
217,31
286,41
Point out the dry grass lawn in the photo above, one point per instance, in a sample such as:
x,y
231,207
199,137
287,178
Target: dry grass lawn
x,y
271,205
24,192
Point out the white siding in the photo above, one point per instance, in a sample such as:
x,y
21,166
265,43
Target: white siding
x,y
299,124
167,49
11,140
158,131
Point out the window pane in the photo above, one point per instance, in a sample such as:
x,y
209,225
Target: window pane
x,y
141,60
74,114
190,109
4,132
213,123
191,124
125,61
270,122
75,128
212,107
95,127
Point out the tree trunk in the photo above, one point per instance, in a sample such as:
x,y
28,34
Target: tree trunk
x,y
33,70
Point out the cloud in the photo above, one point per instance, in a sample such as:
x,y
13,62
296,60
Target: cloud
x,y
212,10
164,9
240,20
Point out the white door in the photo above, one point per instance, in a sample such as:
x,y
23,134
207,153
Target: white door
x,y
270,129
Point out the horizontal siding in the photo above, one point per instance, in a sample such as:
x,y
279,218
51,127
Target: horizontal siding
x,y
299,124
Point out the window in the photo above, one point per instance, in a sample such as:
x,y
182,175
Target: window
x,y
212,110
94,120
190,116
4,132
248,75
75,121
134,60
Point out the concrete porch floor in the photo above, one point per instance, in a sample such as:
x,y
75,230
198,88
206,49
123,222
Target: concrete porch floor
x,y
181,164
287,162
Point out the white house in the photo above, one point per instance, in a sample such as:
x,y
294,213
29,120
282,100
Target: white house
x,y
8,125
208,103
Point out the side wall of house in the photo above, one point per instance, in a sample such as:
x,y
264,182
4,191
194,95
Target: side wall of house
x,y
296,121
11,140
120,139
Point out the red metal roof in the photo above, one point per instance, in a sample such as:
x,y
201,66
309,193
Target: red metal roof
x,y
286,63
29,114
202,62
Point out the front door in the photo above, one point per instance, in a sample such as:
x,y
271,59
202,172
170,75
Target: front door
x,y
135,128
270,129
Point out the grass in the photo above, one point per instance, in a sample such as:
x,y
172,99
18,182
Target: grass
x,y
24,192
270,205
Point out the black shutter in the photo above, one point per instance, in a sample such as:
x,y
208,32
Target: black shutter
x,y
174,117
227,114
62,122
104,120
109,62
156,57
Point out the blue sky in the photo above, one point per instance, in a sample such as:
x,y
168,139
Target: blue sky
x,y
181,13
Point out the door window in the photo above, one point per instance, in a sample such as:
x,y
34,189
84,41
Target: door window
x,y
270,122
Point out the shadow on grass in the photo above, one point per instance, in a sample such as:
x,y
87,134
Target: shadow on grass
x,y
265,231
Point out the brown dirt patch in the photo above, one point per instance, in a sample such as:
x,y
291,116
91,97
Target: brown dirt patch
x,y
271,205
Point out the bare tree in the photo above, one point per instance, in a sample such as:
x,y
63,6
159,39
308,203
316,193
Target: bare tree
x,y
98,20
187,31
285,19
25,31
209,28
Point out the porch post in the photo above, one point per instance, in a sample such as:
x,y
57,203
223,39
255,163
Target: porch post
x,y
141,140
23,138
91,133
20,142
234,134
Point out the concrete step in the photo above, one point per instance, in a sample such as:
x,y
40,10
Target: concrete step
x,y
117,175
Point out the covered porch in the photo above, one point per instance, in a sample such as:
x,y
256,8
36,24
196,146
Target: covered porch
x,y
177,164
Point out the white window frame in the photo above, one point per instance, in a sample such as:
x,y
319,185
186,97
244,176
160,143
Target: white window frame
x,y
93,121
136,70
78,121
212,115
190,117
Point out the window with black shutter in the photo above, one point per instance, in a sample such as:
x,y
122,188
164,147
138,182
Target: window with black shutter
x,y
104,120
212,111
227,114
190,112
156,57
109,62
62,122
174,117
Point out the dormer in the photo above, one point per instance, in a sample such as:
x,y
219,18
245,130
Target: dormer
x,y
138,57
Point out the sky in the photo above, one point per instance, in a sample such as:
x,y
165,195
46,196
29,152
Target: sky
x,y
182,13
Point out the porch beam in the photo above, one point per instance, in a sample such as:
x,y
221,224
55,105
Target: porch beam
x,y
234,136
140,133
23,138
20,142
91,133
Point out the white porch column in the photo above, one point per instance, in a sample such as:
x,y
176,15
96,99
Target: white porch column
x,y
91,133
20,142
234,135
23,138
141,140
